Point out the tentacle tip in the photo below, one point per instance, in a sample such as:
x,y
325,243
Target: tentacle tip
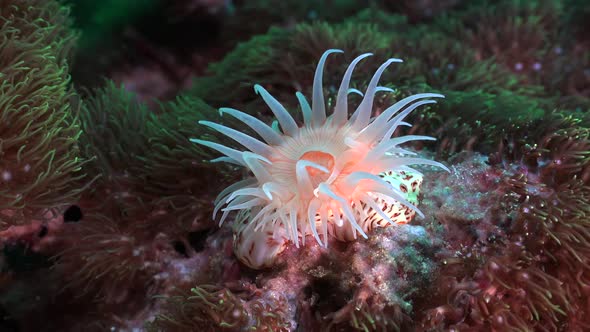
x,y
384,89
319,242
353,90
419,213
266,190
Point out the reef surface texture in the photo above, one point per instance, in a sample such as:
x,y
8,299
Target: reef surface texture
x,y
106,206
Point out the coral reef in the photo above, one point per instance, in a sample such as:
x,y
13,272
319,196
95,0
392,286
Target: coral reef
x,y
39,126
106,206
210,308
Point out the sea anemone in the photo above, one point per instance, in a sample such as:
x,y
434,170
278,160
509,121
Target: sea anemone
x,y
336,175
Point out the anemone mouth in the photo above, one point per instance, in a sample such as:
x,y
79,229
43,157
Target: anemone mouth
x,y
321,158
